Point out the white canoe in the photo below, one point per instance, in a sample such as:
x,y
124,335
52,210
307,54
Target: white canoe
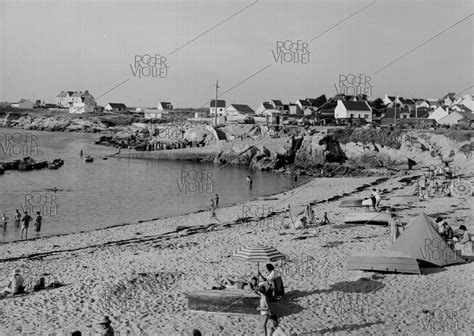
x,y
369,217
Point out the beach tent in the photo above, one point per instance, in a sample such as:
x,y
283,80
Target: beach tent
x,y
419,244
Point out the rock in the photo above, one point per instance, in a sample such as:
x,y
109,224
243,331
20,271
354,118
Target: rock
x,y
317,150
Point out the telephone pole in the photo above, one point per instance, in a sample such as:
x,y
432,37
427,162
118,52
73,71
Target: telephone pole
x,y
215,102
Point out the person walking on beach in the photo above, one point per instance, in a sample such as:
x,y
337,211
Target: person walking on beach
x,y
4,220
107,329
81,153
38,221
26,222
217,200
17,219
213,209
294,178
249,181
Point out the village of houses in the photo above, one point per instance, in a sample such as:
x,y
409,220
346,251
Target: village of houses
x,y
450,110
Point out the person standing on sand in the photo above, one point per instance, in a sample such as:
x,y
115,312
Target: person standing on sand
x,y
394,232
217,200
107,329
264,307
38,221
4,220
213,210
295,178
26,222
249,181
376,199
17,219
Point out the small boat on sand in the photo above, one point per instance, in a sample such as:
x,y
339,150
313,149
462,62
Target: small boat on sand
x,y
368,217
88,158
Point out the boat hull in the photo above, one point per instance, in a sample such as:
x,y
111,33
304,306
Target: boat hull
x,y
370,217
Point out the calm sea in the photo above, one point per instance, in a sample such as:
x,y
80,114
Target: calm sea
x,y
114,191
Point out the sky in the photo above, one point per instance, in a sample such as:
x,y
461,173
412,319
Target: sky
x,y
409,48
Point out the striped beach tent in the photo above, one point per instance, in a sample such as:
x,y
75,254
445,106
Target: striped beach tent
x,y
258,254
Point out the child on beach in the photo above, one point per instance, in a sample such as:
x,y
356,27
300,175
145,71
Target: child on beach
x,y
264,308
325,219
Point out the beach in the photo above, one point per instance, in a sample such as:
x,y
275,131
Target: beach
x,y
182,254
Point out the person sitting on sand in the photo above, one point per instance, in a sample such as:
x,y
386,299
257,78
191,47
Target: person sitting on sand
x,y
301,223
16,285
447,233
250,286
325,219
107,329
462,235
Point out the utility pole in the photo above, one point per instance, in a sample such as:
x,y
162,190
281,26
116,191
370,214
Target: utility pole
x,y
215,102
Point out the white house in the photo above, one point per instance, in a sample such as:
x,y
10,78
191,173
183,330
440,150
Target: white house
x,y
438,114
448,99
201,114
294,109
346,109
303,104
265,106
238,111
277,104
467,102
152,113
220,107
164,106
23,104
84,104
115,107
389,101
64,98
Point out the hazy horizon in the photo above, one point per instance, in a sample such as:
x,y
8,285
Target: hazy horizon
x,y
413,49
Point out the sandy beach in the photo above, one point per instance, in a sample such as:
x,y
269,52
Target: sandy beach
x,y
138,274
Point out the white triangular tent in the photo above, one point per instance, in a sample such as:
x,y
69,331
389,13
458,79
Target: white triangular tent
x,y
419,243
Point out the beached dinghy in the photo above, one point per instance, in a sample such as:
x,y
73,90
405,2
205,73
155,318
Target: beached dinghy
x,y
368,217
88,158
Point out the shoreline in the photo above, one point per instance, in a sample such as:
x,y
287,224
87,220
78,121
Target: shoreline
x,y
331,199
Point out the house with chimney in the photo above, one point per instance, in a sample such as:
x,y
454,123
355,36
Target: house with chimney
x,y
392,115
238,111
303,104
82,103
115,107
219,106
64,99
277,104
348,109
165,106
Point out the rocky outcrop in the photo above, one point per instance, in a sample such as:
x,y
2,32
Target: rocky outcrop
x,y
315,151
58,124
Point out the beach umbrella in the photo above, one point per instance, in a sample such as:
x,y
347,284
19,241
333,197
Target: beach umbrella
x,y
258,254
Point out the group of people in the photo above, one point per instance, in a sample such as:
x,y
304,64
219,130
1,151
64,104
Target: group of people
x,y
25,220
106,325
460,235
270,288
308,218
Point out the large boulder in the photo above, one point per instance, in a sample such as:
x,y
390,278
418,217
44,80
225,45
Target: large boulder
x,y
239,154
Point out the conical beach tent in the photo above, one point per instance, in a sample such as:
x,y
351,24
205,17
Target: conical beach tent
x,y
419,243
